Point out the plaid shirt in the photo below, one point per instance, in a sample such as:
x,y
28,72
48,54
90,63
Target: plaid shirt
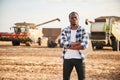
x,y
81,36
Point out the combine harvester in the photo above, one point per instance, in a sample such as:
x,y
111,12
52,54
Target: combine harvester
x,y
105,31
26,33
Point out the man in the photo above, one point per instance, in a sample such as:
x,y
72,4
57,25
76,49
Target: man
x,y
73,39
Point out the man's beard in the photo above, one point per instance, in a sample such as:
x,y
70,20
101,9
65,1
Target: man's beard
x,y
74,24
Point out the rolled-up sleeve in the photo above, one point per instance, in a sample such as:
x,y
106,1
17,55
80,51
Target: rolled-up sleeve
x,y
85,39
64,39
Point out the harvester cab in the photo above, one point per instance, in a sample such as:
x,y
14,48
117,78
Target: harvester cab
x,y
19,30
21,33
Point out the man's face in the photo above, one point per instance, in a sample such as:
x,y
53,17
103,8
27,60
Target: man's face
x,y
73,18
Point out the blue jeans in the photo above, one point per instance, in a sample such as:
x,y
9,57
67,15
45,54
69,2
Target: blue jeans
x,y
68,65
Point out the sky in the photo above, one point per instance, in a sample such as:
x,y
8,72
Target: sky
x,y
38,11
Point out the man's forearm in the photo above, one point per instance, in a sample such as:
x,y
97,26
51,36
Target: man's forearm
x,y
76,46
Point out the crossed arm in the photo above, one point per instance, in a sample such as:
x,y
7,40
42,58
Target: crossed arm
x,y
76,46
73,45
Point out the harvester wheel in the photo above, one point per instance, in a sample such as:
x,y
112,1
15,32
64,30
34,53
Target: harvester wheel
x,y
99,47
15,43
114,45
27,44
51,44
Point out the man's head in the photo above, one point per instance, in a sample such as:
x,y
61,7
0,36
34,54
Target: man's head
x,y
74,19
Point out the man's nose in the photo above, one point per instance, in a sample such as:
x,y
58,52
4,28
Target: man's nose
x,y
74,19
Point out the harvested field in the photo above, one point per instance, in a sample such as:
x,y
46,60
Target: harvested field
x,y
36,63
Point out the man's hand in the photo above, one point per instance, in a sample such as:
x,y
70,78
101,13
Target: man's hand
x,y
76,46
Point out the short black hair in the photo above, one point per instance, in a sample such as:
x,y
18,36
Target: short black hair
x,y
73,13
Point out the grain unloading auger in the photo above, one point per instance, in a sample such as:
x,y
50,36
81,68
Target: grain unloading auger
x,y
57,19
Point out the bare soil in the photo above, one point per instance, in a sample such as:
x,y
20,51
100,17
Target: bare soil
x,y
38,63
